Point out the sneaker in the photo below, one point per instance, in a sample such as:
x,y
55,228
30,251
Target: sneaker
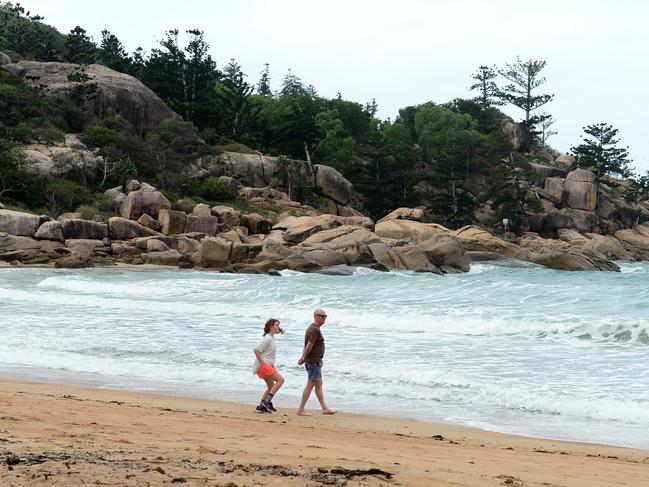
x,y
262,408
269,406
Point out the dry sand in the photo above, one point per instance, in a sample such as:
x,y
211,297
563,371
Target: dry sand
x,y
63,435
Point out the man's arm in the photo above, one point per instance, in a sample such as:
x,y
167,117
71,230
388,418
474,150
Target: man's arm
x,y
305,352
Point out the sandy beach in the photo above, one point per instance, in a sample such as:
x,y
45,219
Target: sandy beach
x,y
54,434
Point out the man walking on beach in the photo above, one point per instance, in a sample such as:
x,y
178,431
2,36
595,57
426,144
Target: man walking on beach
x,y
312,355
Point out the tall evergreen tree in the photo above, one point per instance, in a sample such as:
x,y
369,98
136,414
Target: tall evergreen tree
x,y
508,192
599,151
181,77
524,77
263,87
113,54
486,87
233,93
451,143
81,48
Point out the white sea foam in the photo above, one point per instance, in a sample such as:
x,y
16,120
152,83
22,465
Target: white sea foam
x,y
535,351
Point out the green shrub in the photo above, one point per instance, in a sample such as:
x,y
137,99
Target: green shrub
x,y
235,147
213,189
181,137
63,195
49,135
87,212
22,132
108,132
184,204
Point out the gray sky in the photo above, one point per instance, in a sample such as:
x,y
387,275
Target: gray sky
x,y
411,51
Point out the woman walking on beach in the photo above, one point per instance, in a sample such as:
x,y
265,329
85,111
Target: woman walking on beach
x,y
265,365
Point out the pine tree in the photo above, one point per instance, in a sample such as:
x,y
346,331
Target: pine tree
x,y
524,78
599,151
486,87
113,54
81,48
263,87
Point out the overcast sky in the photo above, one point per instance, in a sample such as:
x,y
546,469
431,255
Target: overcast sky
x,y
411,51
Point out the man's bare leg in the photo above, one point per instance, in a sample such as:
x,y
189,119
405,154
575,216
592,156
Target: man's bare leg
x,y
320,395
305,397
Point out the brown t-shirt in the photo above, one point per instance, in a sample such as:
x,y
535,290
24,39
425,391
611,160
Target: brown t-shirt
x,y
313,334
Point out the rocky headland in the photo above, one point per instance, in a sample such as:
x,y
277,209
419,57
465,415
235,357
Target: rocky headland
x,y
264,231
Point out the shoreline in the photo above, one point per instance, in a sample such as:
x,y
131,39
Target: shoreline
x,y
72,435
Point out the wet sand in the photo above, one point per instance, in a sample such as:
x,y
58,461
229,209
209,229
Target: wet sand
x,y
55,435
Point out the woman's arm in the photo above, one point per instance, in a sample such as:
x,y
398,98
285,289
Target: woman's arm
x,y
258,355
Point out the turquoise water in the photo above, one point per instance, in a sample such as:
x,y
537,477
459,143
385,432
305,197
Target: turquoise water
x,y
523,350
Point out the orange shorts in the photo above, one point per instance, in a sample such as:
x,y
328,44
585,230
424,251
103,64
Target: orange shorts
x,y
266,370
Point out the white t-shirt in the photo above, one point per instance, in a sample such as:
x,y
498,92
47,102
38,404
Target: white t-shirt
x,y
268,349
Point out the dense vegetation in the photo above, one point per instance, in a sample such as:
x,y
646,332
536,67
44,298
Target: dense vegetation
x,y
451,157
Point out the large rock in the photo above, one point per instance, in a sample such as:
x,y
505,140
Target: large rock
x,y
149,222
414,214
349,241
10,243
415,259
165,257
75,228
332,184
172,221
116,92
277,256
228,217
408,229
252,169
636,237
565,162
213,252
554,188
139,202
541,172
548,224
256,223
83,247
19,223
446,252
208,225
4,59
115,198
231,185
50,231
609,246
519,139
581,189
65,162
124,229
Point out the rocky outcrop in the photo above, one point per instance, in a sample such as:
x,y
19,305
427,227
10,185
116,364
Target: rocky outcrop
x,y
581,188
61,159
414,214
83,229
4,59
519,139
116,92
256,172
332,184
408,229
19,223
142,201
124,229
50,231
546,252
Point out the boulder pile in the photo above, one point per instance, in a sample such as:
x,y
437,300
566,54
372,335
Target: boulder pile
x,y
149,231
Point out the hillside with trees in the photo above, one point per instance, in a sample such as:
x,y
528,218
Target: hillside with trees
x,y
464,161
